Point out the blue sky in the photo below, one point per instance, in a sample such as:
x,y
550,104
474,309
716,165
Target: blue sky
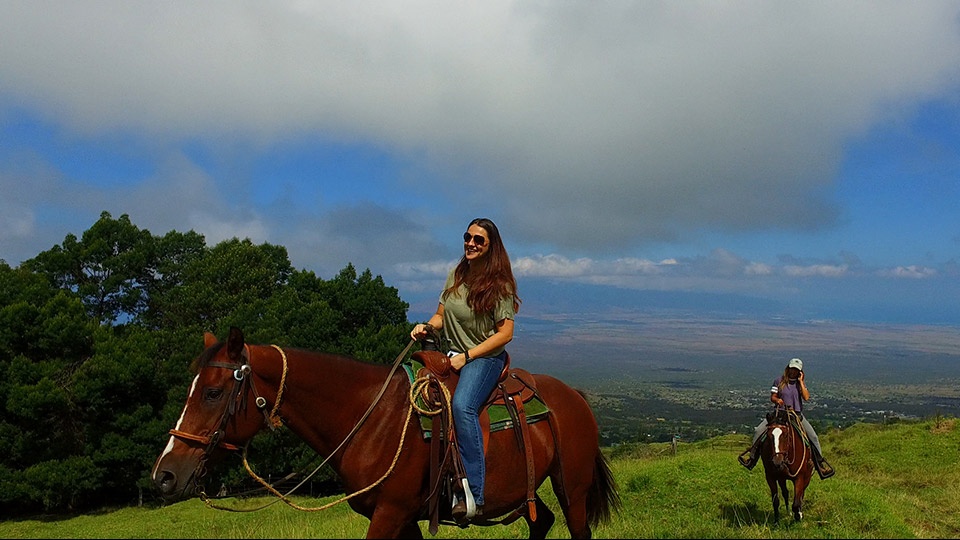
x,y
803,156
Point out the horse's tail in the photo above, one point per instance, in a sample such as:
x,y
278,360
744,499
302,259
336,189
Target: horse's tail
x,y
602,498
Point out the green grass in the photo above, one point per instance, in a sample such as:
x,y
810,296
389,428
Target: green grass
x,y
893,481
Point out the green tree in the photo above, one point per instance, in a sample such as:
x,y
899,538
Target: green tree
x,y
118,395
45,335
96,335
364,300
233,275
374,323
175,254
109,267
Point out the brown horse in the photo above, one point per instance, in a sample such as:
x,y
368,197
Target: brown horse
x,y
356,414
786,455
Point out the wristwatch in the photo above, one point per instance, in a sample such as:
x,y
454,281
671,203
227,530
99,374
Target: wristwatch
x,y
466,356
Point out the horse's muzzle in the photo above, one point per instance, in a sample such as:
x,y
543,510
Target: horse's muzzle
x,y
171,490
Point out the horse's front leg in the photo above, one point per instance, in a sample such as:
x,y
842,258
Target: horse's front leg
x,y
775,497
786,494
799,486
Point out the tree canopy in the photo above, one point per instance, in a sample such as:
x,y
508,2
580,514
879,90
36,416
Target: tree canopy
x,y
96,335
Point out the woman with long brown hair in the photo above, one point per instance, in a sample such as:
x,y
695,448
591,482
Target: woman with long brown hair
x,y
476,317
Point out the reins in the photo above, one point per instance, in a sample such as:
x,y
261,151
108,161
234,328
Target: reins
x,y
276,421
794,424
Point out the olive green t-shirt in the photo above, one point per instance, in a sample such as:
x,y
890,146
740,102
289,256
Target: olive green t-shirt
x,y
462,327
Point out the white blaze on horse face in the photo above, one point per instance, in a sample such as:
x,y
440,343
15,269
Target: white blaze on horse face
x,y
169,447
776,439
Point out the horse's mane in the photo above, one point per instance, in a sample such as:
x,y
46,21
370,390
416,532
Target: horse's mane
x,y
335,356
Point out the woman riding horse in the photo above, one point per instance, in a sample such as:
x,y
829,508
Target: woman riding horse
x,y
476,311
788,392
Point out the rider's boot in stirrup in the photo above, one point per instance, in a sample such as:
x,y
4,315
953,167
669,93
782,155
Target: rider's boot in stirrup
x,y
464,507
824,469
748,458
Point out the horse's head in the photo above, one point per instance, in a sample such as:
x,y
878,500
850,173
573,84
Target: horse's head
x,y
215,418
780,440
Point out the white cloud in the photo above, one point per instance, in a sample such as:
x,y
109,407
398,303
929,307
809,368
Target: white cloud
x,y
758,269
558,266
816,270
552,266
15,222
591,131
911,272
723,271
650,120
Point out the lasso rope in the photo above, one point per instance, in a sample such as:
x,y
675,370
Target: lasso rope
x,y
276,421
419,386
795,423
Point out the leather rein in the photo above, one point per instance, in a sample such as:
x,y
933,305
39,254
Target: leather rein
x,y
793,417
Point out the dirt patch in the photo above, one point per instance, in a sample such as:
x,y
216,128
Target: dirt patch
x,y
943,425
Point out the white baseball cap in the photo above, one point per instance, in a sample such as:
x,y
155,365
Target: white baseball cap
x,y
797,363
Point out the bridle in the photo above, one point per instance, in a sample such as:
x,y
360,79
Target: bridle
x,y
236,400
787,430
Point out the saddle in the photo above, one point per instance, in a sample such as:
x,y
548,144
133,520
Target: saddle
x,y
788,418
516,388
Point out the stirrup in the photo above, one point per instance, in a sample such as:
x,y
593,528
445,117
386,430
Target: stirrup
x,y
747,460
825,470
468,497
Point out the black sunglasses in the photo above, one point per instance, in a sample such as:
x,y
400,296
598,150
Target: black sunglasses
x,y
477,239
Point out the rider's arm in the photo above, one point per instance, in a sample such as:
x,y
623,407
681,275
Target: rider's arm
x,y
436,321
500,338
804,393
775,399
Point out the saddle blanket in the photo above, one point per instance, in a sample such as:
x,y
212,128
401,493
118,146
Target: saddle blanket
x,y
500,420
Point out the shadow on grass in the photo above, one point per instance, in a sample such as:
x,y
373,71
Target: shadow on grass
x,y
27,515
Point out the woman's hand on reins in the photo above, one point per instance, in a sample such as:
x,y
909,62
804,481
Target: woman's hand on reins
x,y
419,330
422,330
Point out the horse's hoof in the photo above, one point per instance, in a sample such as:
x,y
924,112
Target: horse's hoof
x,y
797,516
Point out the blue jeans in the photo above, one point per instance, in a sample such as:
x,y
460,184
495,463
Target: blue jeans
x,y
477,381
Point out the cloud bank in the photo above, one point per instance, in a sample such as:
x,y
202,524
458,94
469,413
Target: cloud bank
x,y
594,129
632,122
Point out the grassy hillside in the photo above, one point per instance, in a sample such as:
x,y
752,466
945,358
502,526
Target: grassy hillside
x,y
893,481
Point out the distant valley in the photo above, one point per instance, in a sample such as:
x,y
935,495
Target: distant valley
x,y
653,376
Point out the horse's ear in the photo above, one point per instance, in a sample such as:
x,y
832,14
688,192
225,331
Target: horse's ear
x,y
209,340
234,343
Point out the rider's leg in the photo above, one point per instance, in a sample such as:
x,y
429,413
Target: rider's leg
x,y
477,381
749,458
824,469
758,432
